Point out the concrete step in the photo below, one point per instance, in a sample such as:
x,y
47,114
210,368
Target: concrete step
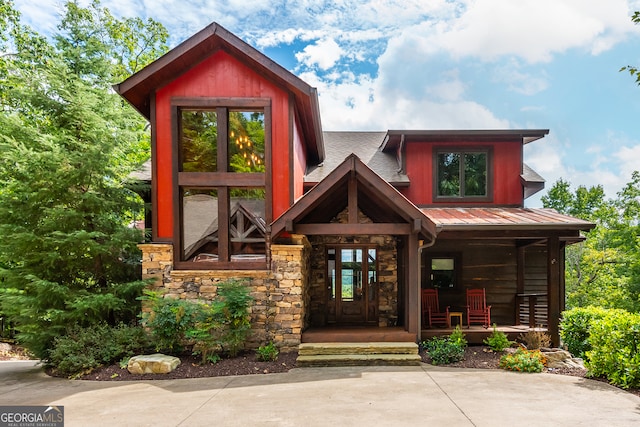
x,y
358,360
310,349
358,353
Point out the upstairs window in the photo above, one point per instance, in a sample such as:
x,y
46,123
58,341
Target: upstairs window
x,y
222,212
462,174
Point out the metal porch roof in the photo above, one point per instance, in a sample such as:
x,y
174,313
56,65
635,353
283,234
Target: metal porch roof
x,y
503,219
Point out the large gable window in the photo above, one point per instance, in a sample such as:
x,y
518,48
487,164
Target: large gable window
x,y
222,214
462,173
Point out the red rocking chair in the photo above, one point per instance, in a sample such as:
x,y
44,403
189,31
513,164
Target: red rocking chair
x,y
477,309
431,309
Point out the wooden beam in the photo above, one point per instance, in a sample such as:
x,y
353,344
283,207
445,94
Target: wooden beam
x,y
352,229
417,225
553,288
223,224
215,179
352,197
288,226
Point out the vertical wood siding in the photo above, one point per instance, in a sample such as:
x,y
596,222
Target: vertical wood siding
x,y
221,75
507,164
492,264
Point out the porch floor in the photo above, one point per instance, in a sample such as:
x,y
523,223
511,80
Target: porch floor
x,y
475,334
357,334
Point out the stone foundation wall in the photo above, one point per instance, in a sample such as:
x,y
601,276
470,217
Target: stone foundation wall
x,y
280,294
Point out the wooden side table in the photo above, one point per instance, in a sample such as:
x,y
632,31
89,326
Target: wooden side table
x,y
457,314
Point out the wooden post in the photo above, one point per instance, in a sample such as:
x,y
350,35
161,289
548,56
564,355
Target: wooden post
x,y
519,281
553,288
563,288
412,296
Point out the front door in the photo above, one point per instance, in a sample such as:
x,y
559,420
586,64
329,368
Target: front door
x,y
352,285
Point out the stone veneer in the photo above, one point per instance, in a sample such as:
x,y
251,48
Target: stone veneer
x,y
281,295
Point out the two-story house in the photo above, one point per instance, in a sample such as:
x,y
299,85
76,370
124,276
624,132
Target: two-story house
x,y
334,230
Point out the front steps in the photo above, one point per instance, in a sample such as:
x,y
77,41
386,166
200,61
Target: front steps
x,y
358,354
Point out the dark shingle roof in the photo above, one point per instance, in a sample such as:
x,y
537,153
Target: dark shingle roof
x,y
365,145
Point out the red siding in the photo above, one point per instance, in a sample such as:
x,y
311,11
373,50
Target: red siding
x,y
507,160
221,75
299,164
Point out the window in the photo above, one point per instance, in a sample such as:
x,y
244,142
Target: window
x,y
222,211
441,271
462,174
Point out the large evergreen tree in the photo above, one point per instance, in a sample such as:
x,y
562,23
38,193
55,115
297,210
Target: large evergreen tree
x,y
68,254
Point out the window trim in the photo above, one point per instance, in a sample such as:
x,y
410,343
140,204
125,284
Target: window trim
x,y
222,181
488,150
426,282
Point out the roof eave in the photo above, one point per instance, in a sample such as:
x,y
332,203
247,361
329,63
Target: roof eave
x,y
525,135
517,227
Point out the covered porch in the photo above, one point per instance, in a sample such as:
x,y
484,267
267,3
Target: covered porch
x,y
516,255
365,235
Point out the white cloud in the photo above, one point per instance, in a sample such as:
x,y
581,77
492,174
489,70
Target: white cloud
x,y
627,158
324,53
518,81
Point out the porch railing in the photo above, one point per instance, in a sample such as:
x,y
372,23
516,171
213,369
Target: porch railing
x,y
531,309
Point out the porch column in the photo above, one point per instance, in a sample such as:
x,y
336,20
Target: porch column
x,y
520,265
412,296
554,264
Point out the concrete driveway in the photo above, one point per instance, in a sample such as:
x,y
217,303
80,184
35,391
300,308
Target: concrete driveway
x,y
353,396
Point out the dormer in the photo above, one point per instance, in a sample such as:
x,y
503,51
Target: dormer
x,y
465,168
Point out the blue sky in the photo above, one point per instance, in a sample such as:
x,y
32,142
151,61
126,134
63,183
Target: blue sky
x,y
445,64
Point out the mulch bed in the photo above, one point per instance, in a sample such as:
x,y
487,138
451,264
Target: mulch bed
x,y
192,367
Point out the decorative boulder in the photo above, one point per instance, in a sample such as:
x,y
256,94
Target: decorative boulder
x,y
557,358
152,364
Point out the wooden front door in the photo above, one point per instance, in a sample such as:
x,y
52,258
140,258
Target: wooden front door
x,y
352,278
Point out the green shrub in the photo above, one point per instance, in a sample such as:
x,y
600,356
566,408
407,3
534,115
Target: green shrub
x,y
615,353
236,299
575,326
206,330
523,360
267,353
458,338
446,350
168,321
498,340
220,327
83,349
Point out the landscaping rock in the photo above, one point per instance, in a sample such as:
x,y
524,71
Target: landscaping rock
x,y
152,364
557,358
